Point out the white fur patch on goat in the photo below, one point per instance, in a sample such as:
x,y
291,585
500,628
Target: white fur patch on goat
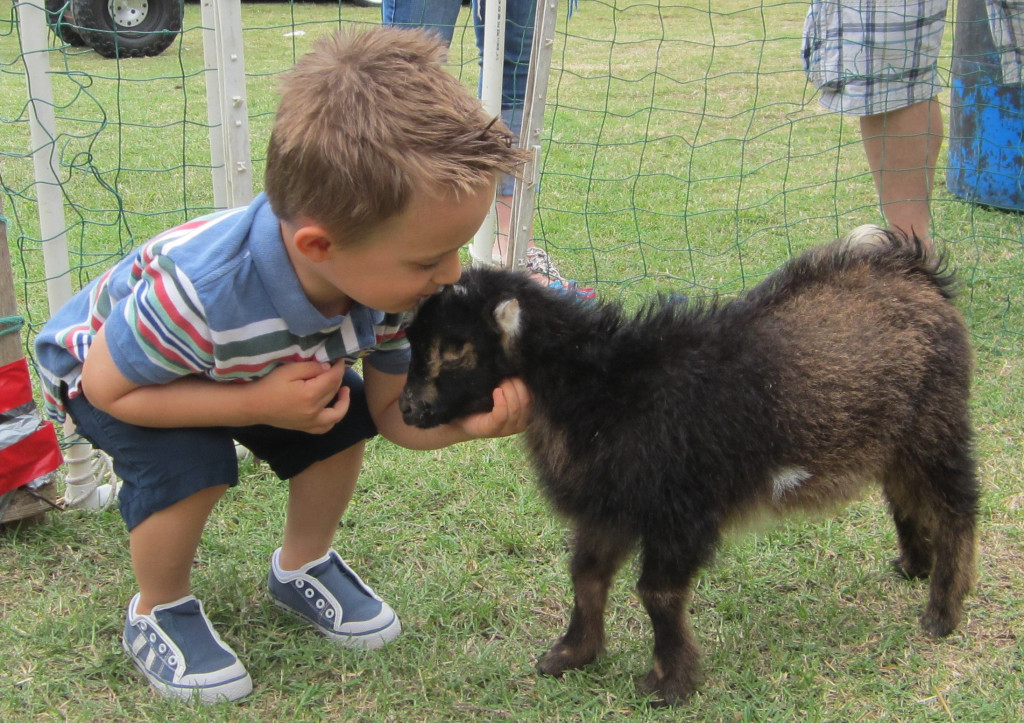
x,y
868,235
788,479
508,316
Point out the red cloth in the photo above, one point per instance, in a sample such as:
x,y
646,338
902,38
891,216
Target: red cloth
x,y
31,455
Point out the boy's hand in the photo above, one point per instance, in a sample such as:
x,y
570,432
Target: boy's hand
x,y
298,396
510,415
301,396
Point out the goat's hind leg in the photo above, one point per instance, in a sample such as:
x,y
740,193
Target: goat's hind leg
x,y
913,530
597,556
952,575
935,509
955,487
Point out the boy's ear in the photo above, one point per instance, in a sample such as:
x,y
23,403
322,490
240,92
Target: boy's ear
x,y
312,241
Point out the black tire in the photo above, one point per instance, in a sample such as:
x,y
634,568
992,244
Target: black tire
x,y
58,17
128,28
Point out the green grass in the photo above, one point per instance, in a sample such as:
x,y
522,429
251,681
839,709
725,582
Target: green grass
x,y
683,152
803,619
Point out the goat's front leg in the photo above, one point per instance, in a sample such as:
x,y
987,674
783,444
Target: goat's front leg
x,y
597,556
665,592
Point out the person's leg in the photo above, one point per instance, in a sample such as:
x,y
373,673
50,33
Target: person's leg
x,y
437,15
307,578
513,118
163,548
520,16
317,499
171,480
322,470
902,149
167,634
878,61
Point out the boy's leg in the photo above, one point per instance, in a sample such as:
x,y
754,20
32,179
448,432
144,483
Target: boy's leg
x,y
163,548
317,499
172,480
310,579
307,577
322,470
878,61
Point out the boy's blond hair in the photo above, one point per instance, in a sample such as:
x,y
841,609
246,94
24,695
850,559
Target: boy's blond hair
x,y
368,118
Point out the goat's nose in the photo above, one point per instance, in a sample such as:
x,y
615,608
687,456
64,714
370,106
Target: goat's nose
x,y
413,410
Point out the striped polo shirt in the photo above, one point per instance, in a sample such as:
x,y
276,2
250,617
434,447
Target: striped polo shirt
x,y
217,297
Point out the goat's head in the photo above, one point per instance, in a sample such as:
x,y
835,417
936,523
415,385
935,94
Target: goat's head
x,y
462,345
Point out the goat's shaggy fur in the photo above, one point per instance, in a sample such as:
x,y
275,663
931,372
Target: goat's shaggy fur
x,y
848,364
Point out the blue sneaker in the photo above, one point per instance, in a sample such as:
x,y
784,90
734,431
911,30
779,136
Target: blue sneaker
x,y
181,654
329,595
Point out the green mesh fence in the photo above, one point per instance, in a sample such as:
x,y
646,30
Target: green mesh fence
x,y
683,151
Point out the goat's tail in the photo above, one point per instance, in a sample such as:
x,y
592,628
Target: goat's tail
x,y
897,249
868,236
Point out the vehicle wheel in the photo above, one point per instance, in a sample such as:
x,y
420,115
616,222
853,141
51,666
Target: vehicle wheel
x,y
128,28
58,17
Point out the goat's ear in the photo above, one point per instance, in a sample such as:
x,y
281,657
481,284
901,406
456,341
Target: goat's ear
x,y
507,315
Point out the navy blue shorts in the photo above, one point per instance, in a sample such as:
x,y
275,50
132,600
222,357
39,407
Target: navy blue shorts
x,y
160,467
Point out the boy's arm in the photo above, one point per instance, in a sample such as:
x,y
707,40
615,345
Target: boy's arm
x,y
509,416
293,396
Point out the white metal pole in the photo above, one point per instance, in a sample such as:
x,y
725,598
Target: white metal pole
x,y
81,489
227,103
524,195
42,124
490,95
214,119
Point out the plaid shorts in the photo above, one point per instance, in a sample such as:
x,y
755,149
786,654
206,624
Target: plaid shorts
x,y
873,56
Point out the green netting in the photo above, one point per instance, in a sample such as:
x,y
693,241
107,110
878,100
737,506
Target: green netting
x,y
683,151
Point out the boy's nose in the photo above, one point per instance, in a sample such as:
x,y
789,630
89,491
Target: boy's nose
x,y
449,270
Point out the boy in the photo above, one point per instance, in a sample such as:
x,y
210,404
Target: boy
x,y
242,325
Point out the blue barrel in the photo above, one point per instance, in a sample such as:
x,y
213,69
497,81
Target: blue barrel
x,y
986,125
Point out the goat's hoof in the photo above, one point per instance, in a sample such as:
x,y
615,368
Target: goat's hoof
x,y
938,625
909,570
670,690
562,658
548,665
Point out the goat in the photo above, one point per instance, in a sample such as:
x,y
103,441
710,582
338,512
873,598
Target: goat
x,y
660,430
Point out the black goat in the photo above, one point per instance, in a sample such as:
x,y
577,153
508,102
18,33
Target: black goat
x,y
846,365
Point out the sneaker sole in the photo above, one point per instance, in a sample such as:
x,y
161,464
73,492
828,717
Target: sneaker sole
x,y
230,690
372,640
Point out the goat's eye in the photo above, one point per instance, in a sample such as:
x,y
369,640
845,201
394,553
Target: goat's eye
x,y
459,356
